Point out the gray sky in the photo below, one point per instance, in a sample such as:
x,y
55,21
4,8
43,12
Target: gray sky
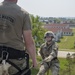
x,y
49,8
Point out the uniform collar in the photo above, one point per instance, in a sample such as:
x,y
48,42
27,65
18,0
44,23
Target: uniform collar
x,y
50,43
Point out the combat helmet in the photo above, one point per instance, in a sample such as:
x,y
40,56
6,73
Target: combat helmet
x,y
49,34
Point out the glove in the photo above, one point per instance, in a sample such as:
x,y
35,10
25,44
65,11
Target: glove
x,y
48,59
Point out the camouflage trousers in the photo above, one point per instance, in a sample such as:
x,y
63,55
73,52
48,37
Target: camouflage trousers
x,y
53,66
16,59
21,63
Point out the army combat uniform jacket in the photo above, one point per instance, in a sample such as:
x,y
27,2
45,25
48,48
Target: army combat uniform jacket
x,y
49,51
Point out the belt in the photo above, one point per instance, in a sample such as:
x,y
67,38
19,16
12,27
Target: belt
x,y
13,53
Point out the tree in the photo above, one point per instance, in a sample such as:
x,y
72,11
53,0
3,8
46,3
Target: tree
x,y
38,30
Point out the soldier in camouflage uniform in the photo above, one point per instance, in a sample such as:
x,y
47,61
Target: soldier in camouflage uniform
x,y
49,51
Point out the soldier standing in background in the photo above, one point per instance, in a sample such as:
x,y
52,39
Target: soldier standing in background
x,y
48,52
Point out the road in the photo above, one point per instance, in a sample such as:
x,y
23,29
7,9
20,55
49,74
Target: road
x,y
64,53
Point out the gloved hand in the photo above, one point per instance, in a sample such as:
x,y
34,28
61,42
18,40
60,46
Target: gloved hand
x,y
48,59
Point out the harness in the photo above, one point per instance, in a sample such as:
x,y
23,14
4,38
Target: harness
x,y
7,53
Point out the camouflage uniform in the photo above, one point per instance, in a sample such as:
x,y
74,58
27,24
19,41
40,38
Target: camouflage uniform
x,y
49,56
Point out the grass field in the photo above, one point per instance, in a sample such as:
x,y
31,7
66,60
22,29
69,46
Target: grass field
x,y
67,42
63,68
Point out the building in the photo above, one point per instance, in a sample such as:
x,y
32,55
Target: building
x,y
59,30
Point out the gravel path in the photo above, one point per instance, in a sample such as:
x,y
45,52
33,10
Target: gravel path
x,y
64,53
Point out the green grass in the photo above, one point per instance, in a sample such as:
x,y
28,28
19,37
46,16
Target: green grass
x,y
63,67
67,42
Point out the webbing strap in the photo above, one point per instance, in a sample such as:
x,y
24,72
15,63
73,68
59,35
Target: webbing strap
x,y
13,53
10,53
20,72
13,65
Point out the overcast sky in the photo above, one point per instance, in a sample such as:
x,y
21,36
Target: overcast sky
x,y
49,8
